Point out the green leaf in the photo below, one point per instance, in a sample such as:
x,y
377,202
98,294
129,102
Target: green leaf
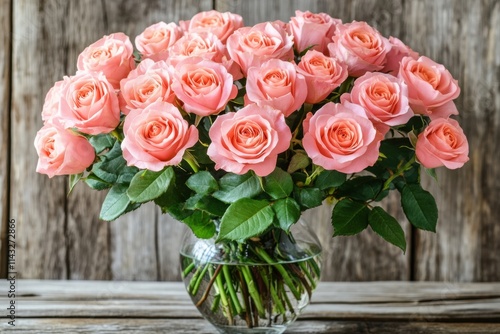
x,y
287,212
102,142
299,161
387,227
419,207
115,204
244,219
309,197
207,204
234,187
73,180
362,188
111,165
96,183
349,217
148,185
329,179
202,183
278,184
201,224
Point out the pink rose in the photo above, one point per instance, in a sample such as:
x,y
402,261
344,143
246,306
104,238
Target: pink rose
x,y
384,98
203,86
253,46
277,84
221,25
340,137
89,103
443,143
112,55
51,104
323,74
62,152
149,82
155,40
157,136
249,139
314,30
398,51
360,46
431,88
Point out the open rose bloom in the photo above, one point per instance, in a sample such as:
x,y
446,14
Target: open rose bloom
x,y
288,113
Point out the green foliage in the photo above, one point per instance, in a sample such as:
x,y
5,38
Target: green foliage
x,y
287,212
349,217
148,185
278,184
201,224
234,187
387,227
202,183
419,207
308,198
116,203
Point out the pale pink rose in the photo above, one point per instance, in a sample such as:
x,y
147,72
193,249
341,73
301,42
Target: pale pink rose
x,y
277,84
149,82
431,88
383,96
310,29
155,40
112,55
443,143
398,51
340,137
220,24
205,45
156,137
89,103
62,152
360,46
203,86
51,104
253,46
323,74
249,139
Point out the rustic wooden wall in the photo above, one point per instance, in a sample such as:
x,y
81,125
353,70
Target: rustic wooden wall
x,y
61,237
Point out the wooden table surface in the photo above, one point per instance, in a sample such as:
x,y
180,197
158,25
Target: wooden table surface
x,y
45,306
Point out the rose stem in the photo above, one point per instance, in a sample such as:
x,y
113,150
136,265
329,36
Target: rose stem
x,y
199,279
262,253
209,286
223,297
287,300
188,270
245,300
314,265
305,270
302,278
230,288
252,290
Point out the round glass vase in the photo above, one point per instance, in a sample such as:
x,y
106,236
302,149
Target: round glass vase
x,y
258,286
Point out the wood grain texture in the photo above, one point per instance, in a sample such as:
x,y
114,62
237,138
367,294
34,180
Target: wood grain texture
x,y
336,307
466,39
5,70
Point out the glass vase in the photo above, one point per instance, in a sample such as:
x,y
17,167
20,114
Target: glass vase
x,y
258,286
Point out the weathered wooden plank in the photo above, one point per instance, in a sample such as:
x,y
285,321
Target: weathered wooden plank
x,y
343,258
37,203
92,325
465,39
5,71
403,301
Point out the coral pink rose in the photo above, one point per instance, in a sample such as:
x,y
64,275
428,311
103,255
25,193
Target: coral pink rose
x,y
62,152
203,86
323,74
360,46
253,46
398,51
149,82
51,104
157,136
155,40
221,25
89,103
249,139
112,55
311,29
443,143
383,96
431,88
340,137
277,84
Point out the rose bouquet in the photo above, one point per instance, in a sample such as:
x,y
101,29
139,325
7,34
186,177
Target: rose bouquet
x,y
235,131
